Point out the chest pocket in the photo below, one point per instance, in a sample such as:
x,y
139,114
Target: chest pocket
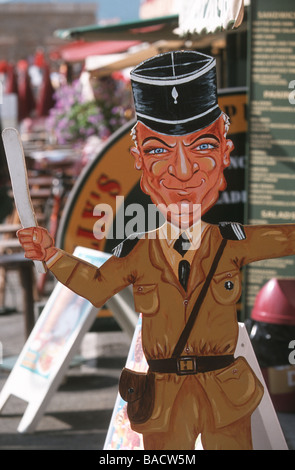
x,y
226,287
146,298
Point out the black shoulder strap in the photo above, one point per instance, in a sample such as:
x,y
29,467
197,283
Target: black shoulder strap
x,y
229,231
232,231
191,321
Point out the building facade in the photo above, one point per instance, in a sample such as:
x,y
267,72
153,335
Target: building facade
x,y
25,27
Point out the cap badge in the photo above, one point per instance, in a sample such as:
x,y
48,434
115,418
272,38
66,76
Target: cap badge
x,y
174,95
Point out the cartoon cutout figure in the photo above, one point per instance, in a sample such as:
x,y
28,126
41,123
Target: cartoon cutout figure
x,y
181,148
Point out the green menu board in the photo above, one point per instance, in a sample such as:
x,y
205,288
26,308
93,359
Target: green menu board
x,y
271,170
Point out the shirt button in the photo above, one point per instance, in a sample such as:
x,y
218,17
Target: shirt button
x,y
140,289
185,302
229,285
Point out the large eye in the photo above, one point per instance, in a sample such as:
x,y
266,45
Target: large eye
x,y
205,147
156,151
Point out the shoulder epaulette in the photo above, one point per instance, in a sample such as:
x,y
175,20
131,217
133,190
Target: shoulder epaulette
x,y
127,245
232,231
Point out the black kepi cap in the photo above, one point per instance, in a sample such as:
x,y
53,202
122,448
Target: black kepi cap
x,y
176,92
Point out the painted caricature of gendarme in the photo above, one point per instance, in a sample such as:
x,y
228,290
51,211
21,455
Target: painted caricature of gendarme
x,y
194,384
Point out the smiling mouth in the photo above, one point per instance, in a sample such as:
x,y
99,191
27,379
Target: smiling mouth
x,y
183,191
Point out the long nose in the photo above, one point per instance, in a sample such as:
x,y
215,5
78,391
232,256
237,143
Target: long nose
x,y
182,167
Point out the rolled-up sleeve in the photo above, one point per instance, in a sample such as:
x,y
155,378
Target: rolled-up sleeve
x,y
265,242
94,284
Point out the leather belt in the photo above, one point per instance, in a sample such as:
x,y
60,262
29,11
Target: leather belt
x,y
188,365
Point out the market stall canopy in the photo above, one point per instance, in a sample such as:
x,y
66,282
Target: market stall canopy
x,y
150,30
209,16
105,65
77,51
193,19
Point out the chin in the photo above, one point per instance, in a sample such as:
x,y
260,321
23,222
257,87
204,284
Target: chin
x,y
185,219
182,222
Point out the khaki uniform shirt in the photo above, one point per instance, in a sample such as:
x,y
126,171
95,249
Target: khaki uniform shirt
x,y
166,307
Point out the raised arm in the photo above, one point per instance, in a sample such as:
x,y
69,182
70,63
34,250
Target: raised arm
x,y
265,242
94,284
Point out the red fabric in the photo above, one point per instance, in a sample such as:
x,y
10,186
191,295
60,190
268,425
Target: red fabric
x,y
26,101
79,50
45,99
39,59
11,80
3,66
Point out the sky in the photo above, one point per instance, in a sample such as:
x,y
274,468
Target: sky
x,y
124,10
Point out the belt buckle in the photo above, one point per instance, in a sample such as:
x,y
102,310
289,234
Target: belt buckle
x,y
187,365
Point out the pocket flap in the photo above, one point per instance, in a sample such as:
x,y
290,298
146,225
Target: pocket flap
x,y
227,275
238,382
146,299
132,385
144,288
231,372
226,287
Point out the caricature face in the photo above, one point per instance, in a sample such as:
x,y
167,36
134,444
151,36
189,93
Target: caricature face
x,y
182,171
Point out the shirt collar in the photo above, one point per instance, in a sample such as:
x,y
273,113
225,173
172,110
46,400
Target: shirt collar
x,y
170,233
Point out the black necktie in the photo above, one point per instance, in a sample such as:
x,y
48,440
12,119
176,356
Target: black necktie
x,y
182,245
183,272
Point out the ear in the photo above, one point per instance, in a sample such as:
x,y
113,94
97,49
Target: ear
x,y
229,147
137,158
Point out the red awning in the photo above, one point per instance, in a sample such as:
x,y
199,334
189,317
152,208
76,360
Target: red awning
x,y
78,51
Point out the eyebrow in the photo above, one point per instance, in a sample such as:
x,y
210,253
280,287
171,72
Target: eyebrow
x,y
204,136
147,139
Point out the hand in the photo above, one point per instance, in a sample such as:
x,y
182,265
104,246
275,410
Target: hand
x,y
37,243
